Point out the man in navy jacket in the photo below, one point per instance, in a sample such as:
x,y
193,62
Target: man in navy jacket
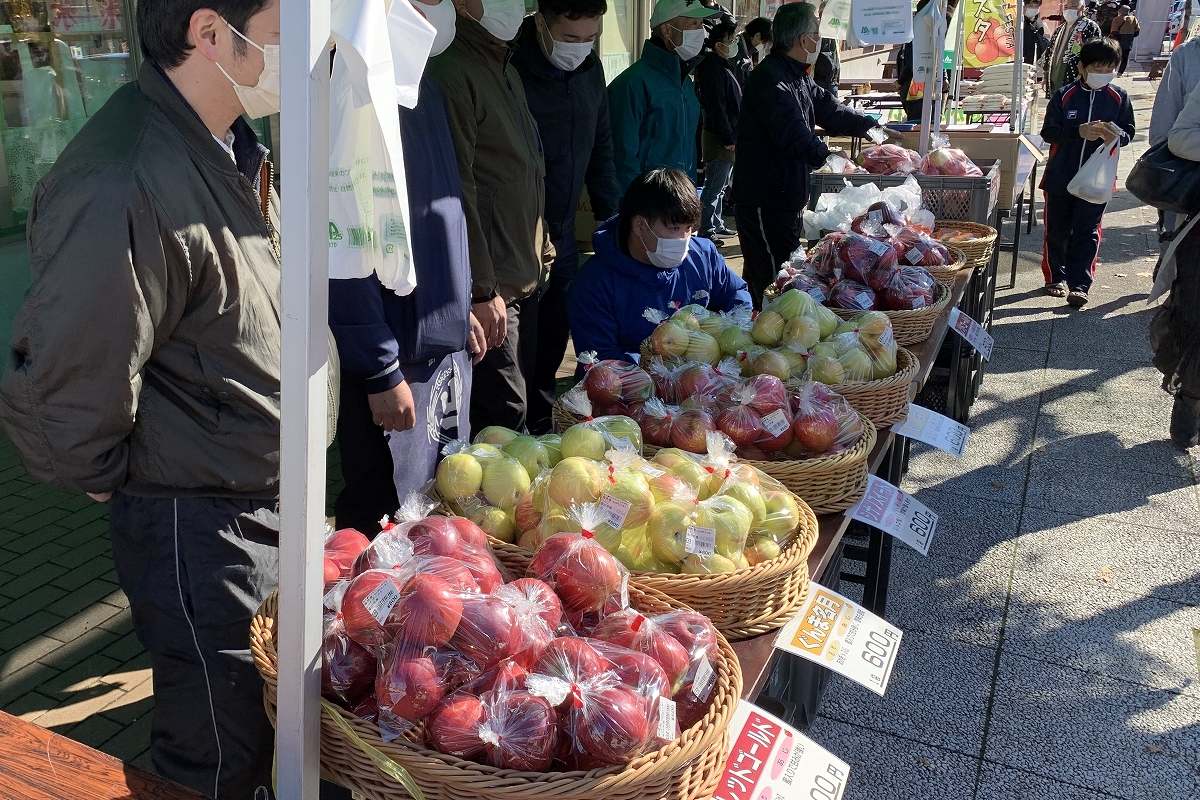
x,y
647,258
406,372
564,86
1080,117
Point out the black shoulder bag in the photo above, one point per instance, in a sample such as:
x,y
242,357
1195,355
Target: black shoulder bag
x,y
1164,180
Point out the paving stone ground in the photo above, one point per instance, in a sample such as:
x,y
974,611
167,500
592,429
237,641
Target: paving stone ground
x,y
1047,651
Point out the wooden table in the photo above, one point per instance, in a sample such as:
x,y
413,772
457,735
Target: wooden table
x,y
757,654
37,764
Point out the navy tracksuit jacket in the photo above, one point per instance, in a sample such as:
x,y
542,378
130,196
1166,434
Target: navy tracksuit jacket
x,y
1072,229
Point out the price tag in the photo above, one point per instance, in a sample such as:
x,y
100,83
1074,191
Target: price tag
x,y
776,422
614,510
701,541
885,507
380,601
973,332
703,680
841,635
667,719
652,471
934,429
887,338
770,759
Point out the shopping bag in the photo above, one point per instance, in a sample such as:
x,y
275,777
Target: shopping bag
x,y
1095,180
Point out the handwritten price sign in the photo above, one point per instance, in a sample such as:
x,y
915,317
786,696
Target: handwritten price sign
x,y
770,759
898,513
841,635
934,429
973,332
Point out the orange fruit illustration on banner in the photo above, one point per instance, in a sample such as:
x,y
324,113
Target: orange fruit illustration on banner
x,y
992,41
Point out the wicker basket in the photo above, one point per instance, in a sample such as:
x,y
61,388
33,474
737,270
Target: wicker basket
x,y
945,275
978,250
741,604
686,769
885,400
910,326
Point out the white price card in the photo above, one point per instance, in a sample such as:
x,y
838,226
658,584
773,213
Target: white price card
x,y
770,759
701,541
893,511
973,332
668,725
776,422
934,429
380,601
614,510
841,635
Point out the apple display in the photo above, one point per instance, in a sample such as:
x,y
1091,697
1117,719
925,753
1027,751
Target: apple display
x,y
408,687
459,476
453,728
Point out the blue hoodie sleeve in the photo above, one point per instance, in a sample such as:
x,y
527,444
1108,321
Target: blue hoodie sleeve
x,y
593,315
366,345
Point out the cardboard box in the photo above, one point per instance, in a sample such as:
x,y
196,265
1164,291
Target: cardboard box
x,y
982,143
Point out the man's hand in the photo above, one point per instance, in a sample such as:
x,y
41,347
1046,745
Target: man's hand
x,y
100,497
393,410
1108,132
476,341
1091,131
493,316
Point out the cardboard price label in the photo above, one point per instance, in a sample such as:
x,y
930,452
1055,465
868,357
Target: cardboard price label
x,y
934,429
701,541
898,513
770,759
973,332
841,635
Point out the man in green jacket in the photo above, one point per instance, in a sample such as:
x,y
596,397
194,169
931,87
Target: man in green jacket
x,y
145,367
503,197
652,105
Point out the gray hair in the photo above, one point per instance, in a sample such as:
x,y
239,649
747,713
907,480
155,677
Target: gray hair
x,y
792,21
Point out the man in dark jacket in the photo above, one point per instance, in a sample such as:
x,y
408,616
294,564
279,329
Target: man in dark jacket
x,y
564,85
1035,40
777,147
1080,118
721,102
406,372
145,367
504,196
827,72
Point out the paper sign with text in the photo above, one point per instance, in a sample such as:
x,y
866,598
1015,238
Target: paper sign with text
x,y
841,635
898,513
933,429
770,759
973,332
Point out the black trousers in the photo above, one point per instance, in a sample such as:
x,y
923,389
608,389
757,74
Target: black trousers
x,y
195,570
498,394
1126,42
553,333
1072,240
768,237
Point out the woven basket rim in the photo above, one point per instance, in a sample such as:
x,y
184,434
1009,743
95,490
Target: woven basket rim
x,y
960,262
823,463
905,314
685,750
906,367
984,231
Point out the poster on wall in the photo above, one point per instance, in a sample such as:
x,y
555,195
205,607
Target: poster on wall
x,y
881,21
988,32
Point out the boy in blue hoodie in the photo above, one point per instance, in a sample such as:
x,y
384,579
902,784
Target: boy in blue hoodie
x,y
647,257
1080,117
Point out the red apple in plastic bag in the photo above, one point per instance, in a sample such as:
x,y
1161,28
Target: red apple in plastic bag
x,y
408,686
613,725
741,424
853,296
530,596
602,382
697,379
428,612
691,430
811,285
878,214
347,668
342,548
520,731
639,633
435,536
570,659
369,607
331,572
483,569
640,671
692,630
765,393
488,631
453,728
817,431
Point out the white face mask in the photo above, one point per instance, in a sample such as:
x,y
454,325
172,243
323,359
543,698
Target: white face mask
x,y
1032,13
411,36
762,51
442,17
693,43
567,56
1098,80
261,99
502,18
726,51
1070,14
667,253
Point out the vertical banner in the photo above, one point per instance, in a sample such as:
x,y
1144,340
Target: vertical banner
x,y
988,28
835,19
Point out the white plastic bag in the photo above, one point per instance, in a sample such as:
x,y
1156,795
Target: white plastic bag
x,y
1095,180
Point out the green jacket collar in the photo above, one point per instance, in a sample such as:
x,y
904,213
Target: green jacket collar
x,y
659,60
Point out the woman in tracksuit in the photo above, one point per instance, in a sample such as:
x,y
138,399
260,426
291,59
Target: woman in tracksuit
x,y
1079,118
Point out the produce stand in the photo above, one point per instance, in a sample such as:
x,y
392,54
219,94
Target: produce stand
x,y
888,460
37,764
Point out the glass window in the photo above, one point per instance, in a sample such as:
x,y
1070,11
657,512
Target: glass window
x,y
59,62
618,37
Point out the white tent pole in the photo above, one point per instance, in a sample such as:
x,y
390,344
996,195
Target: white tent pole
x,y
932,100
1017,109
304,129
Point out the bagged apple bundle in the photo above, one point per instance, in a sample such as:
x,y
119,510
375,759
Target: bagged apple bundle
x,y
864,260
908,289
342,548
759,415
596,435
918,249
825,423
613,386
681,338
853,296
890,159
824,256
874,221
837,164
484,483
869,333
657,420
347,668
946,160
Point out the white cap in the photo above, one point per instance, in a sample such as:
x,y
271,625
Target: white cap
x,y
670,9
